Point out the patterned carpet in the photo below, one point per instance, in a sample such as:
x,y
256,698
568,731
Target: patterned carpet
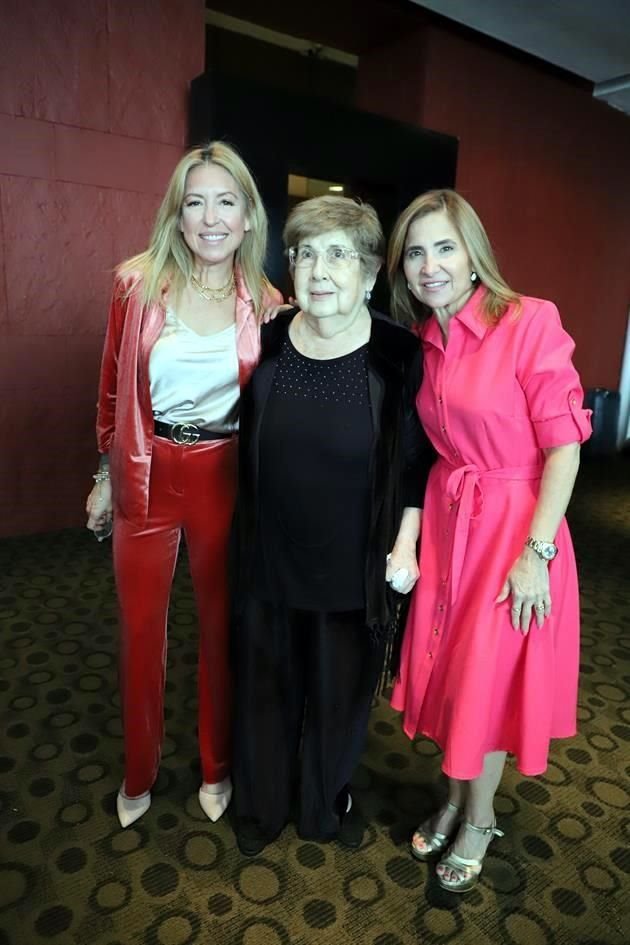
x,y
69,875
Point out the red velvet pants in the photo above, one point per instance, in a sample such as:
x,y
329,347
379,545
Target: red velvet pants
x,y
191,488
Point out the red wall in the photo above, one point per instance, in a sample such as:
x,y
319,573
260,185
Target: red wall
x,y
93,105
544,164
93,99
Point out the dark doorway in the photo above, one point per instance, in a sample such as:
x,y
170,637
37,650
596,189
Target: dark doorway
x,y
279,134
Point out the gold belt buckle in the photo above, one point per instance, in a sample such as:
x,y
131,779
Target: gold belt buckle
x,y
185,434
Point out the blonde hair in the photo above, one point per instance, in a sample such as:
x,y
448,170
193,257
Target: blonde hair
x,y
358,220
498,297
168,260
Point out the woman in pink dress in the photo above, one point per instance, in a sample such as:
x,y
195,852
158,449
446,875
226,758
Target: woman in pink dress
x,y
490,656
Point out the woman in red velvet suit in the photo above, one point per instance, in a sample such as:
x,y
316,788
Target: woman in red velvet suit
x,y
182,340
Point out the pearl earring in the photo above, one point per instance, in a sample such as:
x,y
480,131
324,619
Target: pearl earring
x,y
473,276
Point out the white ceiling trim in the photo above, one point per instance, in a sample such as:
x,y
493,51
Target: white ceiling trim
x,y
305,47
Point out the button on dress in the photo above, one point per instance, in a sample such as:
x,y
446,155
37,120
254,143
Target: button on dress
x,y
491,401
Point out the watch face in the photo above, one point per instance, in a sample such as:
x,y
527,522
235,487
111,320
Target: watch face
x,y
549,552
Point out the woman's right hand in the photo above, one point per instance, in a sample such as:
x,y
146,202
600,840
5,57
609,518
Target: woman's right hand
x,y
99,506
272,311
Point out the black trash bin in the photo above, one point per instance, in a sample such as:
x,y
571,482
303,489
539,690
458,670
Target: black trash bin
x,y
605,406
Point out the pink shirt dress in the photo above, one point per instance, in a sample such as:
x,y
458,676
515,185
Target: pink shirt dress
x,y
490,402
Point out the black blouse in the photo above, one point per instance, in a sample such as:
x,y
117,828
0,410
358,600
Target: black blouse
x,y
315,445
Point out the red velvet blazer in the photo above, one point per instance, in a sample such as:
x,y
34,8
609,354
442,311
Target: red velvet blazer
x,y
124,425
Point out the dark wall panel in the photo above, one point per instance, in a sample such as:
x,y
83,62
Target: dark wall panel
x,y
377,159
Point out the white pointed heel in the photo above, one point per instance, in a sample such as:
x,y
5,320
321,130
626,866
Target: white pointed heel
x,y
214,798
130,809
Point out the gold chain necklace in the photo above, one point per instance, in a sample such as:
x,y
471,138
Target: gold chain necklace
x,y
213,295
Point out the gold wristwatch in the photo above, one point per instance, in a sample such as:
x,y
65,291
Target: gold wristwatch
x,y
544,549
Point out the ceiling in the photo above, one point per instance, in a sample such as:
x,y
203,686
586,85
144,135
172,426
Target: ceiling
x,y
590,38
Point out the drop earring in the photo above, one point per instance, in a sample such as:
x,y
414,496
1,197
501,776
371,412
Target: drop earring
x,y
473,276
368,295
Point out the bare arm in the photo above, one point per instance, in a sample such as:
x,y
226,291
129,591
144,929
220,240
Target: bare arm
x,y
556,487
528,579
404,554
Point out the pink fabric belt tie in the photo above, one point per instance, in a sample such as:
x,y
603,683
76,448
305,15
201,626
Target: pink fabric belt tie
x,y
464,488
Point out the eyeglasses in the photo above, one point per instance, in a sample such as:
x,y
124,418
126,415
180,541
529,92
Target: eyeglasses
x,y
335,257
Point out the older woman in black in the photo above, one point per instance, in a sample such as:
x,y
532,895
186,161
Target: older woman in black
x,y
332,476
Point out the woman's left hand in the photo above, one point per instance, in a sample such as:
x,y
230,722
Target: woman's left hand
x,y
528,583
402,569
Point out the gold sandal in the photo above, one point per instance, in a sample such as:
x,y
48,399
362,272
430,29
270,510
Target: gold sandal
x,y
470,869
434,842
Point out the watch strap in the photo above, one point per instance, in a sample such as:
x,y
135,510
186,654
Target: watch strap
x,y
546,550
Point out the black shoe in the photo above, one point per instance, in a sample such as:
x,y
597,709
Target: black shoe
x,y
352,828
249,838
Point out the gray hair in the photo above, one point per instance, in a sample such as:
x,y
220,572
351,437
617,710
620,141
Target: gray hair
x,y
324,214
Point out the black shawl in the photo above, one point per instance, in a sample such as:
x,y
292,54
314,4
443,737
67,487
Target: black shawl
x,y
399,465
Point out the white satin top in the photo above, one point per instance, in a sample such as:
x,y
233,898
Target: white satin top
x,y
194,378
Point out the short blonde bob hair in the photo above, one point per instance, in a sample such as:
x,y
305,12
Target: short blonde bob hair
x,y
498,297
168,260
358,220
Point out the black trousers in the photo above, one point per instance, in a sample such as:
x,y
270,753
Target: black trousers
x,y
303,680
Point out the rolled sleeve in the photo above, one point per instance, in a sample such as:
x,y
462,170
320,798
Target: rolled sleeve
x,y
550,381
573,426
